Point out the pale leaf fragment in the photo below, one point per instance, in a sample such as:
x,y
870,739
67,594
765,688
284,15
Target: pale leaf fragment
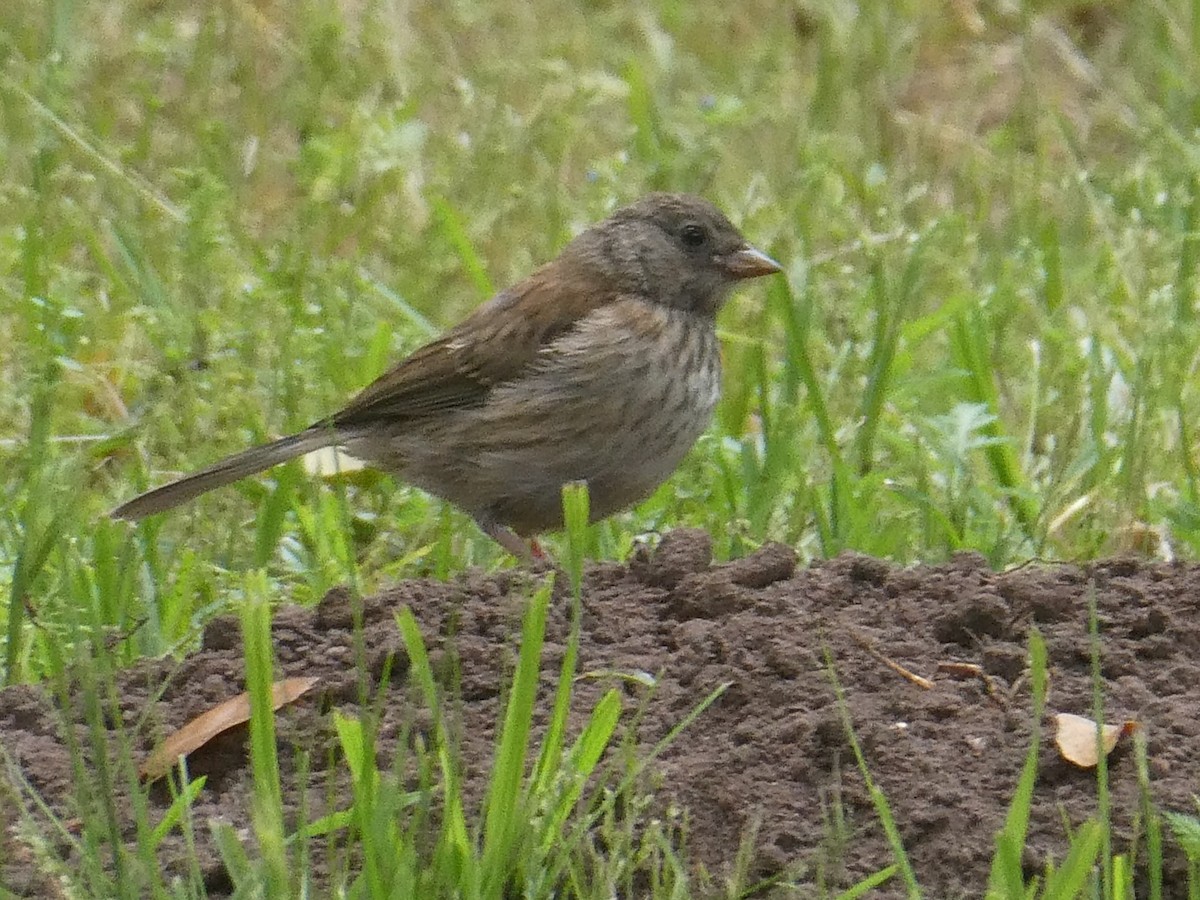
x,y
1075,737
331,462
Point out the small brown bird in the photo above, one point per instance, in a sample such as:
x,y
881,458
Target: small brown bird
x,y
602,367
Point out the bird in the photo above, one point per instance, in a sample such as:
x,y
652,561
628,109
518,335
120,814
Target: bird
x,y
602,366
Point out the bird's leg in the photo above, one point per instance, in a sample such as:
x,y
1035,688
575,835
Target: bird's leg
x,y
510,541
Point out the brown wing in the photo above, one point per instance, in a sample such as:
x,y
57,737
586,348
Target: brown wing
x,y
494,344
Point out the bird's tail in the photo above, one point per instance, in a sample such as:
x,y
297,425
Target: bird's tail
x,y
231,469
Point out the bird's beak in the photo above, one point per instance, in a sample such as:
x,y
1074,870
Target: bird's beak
x,y
750,263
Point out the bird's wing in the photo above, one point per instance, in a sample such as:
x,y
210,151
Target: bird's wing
x,y
495,344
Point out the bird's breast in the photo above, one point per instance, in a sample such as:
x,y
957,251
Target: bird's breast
x,y
616,402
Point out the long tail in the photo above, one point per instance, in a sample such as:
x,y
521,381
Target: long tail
x,y
231,469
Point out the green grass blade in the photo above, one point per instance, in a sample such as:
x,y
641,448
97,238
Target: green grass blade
x,y
452,228
270,521
890,315
234,858
1071,878
1016,824
178,809
1151,818
455,842
575,515
878,799
1103,799
869,883
581,762
264,762
505,813
967,339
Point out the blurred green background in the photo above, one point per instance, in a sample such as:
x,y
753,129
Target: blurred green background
x,y
218,220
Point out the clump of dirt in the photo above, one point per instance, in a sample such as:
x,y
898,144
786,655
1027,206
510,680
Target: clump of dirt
x,y
771,753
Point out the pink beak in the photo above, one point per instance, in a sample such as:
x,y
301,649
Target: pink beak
x,y
750,263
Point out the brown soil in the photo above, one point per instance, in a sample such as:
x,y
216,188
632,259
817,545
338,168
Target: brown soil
x,y
772,749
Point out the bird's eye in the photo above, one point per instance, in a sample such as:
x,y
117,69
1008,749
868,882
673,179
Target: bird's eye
x,y
693,235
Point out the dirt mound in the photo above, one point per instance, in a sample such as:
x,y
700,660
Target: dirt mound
x,y
772,749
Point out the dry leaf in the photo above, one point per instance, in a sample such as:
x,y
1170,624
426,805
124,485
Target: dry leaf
x,y
1076,738
206,726
866,644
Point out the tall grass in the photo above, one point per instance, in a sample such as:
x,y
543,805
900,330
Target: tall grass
x,y
219,220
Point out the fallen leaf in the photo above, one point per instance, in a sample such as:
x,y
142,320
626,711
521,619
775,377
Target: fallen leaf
x,y
1075,737
206,726
965,670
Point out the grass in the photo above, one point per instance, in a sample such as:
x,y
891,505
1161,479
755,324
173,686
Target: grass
x,y
219,220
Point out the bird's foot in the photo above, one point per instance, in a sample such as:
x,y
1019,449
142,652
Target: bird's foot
x,y
511,541
531,554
